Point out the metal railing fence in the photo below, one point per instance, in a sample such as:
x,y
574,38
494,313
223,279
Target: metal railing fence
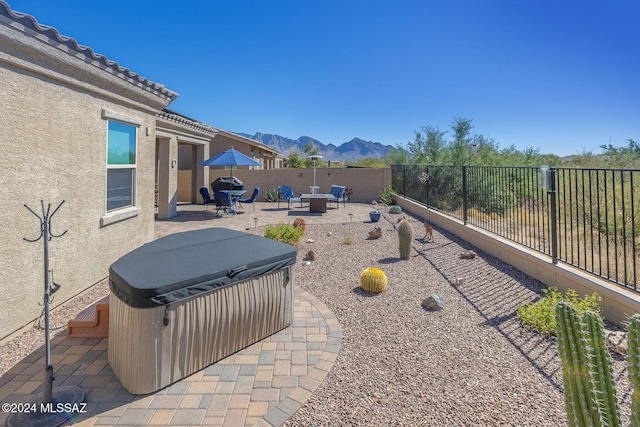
x,y
587,218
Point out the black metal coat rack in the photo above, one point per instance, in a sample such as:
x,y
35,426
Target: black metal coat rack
x,y
46,407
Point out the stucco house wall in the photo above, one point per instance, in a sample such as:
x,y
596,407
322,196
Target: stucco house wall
x,y
57,99
181,143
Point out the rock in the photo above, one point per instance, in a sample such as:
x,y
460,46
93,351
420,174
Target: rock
x,y
457,281
307,263
329,233
616,341
433,302
310,240
468,255
311,256
376,233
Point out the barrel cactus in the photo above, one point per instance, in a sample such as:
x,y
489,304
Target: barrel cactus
x,y
405,233
395,209
299,222
373,280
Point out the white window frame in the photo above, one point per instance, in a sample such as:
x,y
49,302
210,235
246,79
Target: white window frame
x,y
121,213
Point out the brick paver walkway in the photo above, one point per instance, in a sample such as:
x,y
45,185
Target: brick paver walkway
x,y
261,385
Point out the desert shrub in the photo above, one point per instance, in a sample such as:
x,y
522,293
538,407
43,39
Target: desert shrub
x,y
272,195
540,315
285,233
387,196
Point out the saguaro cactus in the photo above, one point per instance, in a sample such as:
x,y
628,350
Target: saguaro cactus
x,y
405,233
590,394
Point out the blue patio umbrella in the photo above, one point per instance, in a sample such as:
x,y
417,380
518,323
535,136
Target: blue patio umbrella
x,y
230,157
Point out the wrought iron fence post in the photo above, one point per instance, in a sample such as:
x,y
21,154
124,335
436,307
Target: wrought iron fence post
x,y
404,180
464,195
426,201
551,191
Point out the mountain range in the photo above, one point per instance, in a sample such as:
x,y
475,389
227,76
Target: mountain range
x,y
348,151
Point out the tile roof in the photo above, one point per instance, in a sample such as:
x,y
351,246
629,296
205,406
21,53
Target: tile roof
x,y
27,24
192,123
172,116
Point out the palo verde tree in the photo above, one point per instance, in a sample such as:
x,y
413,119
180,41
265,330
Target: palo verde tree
x,y
431,146
309,149
302,160
428,146
397,156
460,147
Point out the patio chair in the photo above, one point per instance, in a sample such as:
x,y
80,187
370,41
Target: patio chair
x,y
204,192
286,193
338,195
223,201
252,199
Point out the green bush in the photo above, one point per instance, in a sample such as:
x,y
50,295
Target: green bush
x,y
285,233
272,195
540,315
387,196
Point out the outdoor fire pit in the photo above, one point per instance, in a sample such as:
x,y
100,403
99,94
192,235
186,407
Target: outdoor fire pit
x,y
185,301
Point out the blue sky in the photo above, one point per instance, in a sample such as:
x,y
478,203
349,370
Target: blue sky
x,y
560,76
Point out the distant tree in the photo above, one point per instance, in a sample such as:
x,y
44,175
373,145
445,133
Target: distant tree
x,y
397,155
487,152
460,148
587,159
295,161
369,162
622,157
310,149
632,149
428,146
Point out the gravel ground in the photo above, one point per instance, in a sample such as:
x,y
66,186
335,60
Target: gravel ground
x,y
471,364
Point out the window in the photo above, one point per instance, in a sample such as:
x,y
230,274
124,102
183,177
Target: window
x,y
121,166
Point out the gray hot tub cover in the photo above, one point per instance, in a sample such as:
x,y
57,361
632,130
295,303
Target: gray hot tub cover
x,y
186,264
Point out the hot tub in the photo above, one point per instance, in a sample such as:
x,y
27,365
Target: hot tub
x,y
185,301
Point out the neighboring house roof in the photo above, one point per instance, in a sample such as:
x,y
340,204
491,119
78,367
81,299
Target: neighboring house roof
x,y
172,116
49,35
183,120
248,141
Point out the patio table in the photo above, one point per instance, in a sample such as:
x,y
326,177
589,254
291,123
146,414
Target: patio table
x,y
317,202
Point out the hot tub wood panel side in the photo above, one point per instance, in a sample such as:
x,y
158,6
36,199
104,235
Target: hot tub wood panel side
x,y
135,344
146,356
